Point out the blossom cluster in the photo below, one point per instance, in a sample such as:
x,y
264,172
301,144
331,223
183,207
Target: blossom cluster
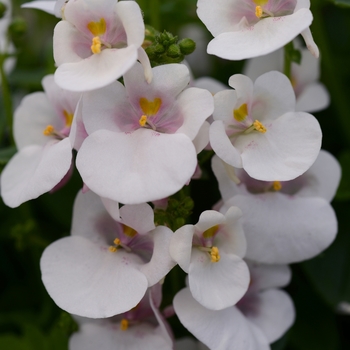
x,y
133,132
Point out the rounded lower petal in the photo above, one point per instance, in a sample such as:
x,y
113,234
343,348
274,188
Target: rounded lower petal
x,y
222,146
136,167
141,336
217,285
286,150
275,313
290,229
88,280
224,329
96,71
35,170
262,38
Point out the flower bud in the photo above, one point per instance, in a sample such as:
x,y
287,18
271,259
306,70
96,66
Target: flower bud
x,y
187,46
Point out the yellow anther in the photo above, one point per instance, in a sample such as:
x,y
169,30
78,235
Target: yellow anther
x,y
49,130
124,324
241,113
210,232
116,241
69,118
128,231
259,127
214,254
143,120
276,185
96,45
97,28
150,107
258,11
112,249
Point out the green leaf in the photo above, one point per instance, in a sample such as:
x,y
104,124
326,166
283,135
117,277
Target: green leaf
x,y
6,154
342,3
343,192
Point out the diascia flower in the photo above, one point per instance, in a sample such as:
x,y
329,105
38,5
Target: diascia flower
x,y
97,42
140,146
250,28
256,128
42,131
261,317
289,221
105,267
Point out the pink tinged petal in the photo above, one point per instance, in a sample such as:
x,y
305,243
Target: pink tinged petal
x,y
196,106
202,138
224,104
222,145
146,64
313,98
106,336
287,149
310,43
224,329
150,166
88,280
273,96
269,276
77,131
112,207
139,216
130,16
217,285
161,262
106,108
275,313
264,37
97,70
322,179
291,229
69,44
35,170
31,118
180,247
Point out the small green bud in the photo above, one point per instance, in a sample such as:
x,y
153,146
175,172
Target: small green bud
x,y
174,51
187,46
3,9
159,48
17,28
179,222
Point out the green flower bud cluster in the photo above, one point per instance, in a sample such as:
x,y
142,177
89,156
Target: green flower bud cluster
x,y
164,48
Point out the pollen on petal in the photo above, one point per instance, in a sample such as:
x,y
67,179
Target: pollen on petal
x,y
97,28
210,232
150,107
260,2
214,254
143,120
259,127
112,249
128,231
241,113
116,241
49,130
124,324
96,45
276,185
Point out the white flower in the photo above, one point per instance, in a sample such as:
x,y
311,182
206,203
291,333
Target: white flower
x,y
42,125
211,253
260,317
54,7
256,128
105,267
245,28
97,42
140,146
284,222
311,95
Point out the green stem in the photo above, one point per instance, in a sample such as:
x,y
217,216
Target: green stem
x,y
154,7
287,68
7,101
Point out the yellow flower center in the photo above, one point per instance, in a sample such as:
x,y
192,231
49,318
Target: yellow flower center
x,y
241,113
214,254
124,324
